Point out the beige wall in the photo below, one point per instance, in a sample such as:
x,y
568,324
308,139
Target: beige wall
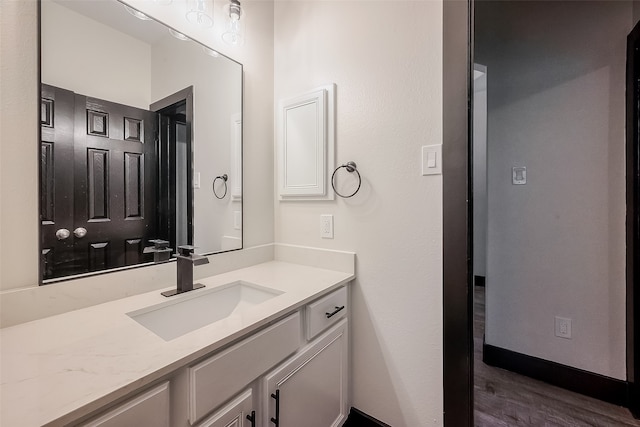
x,y
20,296
386,60
556,246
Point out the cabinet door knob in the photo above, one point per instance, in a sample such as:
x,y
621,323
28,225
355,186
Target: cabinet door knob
x,y
62,234
80,232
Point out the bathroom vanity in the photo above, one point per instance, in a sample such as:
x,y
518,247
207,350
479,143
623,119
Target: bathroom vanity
x,y
273,353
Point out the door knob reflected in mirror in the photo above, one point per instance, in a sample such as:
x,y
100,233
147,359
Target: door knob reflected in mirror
x,y
80,232
62,234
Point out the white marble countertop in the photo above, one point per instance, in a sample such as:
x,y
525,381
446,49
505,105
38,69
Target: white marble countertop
x,y
57,369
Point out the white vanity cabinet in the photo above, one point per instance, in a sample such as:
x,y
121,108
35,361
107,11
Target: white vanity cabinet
x,y
302,359
310,389
219,377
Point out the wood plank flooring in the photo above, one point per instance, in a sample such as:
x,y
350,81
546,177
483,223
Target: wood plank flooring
x,y
505,399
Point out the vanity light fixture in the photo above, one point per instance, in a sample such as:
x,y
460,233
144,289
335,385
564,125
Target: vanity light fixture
x,y
178,35
136,13
235,17
199,12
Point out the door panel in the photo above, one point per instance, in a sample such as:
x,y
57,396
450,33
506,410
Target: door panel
x,y
312,385
98,167
115,165
56,192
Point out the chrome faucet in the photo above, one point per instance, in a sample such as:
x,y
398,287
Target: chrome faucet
x,y
186,260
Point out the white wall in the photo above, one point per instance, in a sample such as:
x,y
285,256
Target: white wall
x,y
19,164
556,246
386,60
93,59
480,170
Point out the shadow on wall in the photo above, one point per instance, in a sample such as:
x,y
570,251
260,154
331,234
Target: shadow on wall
x,y
550,42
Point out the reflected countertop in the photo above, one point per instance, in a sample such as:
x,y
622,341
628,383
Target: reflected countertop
x,y
57,369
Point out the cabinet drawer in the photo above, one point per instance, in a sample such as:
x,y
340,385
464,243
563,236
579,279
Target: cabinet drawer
x,y
325,312
148,409
214,380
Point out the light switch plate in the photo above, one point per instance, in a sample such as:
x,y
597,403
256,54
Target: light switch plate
x,y
519,175
326,226
432,159
196,180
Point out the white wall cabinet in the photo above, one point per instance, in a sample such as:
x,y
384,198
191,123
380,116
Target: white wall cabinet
x,y
306,368
311,388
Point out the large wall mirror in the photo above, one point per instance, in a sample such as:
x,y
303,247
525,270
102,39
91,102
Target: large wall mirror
x,y
141,141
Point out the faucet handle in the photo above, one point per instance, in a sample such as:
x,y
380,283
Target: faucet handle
x,y
186,250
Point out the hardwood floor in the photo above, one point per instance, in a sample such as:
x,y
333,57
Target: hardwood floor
x,y
503,398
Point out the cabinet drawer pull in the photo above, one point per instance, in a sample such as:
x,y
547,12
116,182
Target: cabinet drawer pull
x,y
276,420
252,418
334,312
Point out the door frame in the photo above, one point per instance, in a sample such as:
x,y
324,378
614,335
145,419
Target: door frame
x,y
633,221
457,212
185,95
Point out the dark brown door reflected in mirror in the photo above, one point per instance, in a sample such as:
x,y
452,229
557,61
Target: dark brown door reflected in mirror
x,y
98,195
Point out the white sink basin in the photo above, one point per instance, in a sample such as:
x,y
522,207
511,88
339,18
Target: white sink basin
x,y
195,309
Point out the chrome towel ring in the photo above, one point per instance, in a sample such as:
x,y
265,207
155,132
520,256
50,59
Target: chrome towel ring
x,y
350,167
224,179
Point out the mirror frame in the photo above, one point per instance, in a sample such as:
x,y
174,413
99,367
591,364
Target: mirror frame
x,y
44,282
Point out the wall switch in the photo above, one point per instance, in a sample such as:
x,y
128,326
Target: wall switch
x,y
196,180
563,327
432,159
326,226
519,175
237,220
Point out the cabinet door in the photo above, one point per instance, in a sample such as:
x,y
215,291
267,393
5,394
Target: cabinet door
x,y
311,388
240,412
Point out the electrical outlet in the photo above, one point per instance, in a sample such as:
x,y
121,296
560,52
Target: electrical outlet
x,y
563,327
326,226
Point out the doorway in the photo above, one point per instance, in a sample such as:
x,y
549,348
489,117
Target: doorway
x,y
458,250
175,154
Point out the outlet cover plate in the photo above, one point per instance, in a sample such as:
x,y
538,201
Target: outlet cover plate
x,y
326,226
563,327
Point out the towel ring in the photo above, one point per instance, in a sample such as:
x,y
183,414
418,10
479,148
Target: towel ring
x,y
350,167
224,179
